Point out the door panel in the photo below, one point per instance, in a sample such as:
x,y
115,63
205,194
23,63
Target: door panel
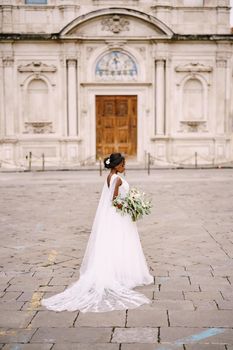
x,y
116,125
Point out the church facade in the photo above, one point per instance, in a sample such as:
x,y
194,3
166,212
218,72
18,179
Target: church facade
x,y
80,79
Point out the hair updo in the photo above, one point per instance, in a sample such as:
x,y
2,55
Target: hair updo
x,y
113,160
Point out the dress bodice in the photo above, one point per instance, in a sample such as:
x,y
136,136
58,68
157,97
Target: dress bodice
x,y
124,188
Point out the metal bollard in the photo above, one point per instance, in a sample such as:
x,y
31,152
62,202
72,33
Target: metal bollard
x,y
148,164
195,160
30,161
43,161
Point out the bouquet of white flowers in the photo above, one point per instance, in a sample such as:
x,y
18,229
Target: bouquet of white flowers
x,y
135,204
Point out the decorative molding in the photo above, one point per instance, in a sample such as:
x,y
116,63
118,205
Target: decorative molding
x,y
142,51
115,44
193,67
89,51
37,67
193,125
115,24
38,127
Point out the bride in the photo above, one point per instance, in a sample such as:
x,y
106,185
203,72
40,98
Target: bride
x,y
114,262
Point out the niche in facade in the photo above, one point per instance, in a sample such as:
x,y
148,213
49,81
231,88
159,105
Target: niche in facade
x,y
37,112
193,106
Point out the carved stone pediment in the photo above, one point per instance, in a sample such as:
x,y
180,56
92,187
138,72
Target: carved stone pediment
x,y
193,67
113,25
37,67
117,23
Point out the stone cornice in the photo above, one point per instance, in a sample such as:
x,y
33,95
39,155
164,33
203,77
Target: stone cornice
x,y
56,36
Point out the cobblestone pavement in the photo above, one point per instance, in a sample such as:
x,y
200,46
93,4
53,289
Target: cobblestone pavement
x,y
188,242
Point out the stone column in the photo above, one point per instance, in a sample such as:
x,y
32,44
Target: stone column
x,y
221,66
2,104
160,96
9,96
72,127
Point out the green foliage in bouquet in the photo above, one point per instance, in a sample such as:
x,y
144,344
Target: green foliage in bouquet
x,y
134,204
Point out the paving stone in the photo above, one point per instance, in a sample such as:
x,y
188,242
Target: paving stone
x,y
55,289
150,287
16,335
105,319
13,319
135,335
10,296
72,335
205,305
61,281
209,281
181,287
222,288
225,304
89,346
204,347
215,295
173,334
25,296
28,346
11,305
147,318
168,305
53,319
144,346
170,295
220,318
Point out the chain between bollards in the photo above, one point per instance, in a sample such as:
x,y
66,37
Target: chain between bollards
x,y
100,166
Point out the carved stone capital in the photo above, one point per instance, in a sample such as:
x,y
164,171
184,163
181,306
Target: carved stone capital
x,y
8,61
221,63
71,62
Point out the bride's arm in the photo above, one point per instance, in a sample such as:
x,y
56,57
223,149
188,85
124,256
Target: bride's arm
x,y
116,190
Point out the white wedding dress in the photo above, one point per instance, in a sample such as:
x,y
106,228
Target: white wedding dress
x,y
113,263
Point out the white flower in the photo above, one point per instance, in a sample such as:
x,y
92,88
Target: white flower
x,y
108,161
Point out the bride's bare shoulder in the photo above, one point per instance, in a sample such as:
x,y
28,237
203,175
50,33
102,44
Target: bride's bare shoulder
x,y
110,179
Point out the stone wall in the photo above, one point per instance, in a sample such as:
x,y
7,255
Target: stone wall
x,y
181,72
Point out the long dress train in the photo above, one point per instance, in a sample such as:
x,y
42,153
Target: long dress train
x,y
113,263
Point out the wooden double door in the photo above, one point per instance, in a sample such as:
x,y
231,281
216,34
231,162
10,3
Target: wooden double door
x,y
116,125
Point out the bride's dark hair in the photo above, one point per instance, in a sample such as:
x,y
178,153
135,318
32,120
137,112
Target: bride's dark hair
x,y
113,160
